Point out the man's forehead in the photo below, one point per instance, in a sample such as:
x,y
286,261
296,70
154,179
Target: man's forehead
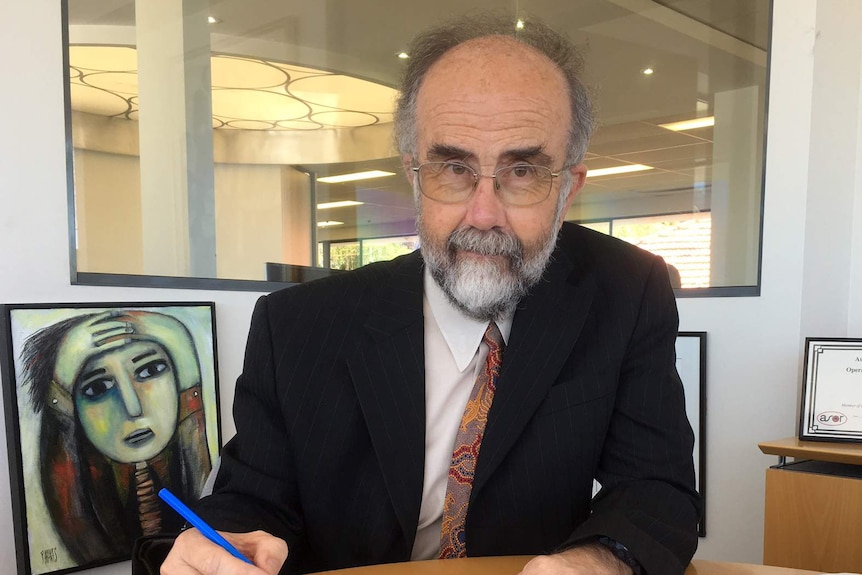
x,y
485,67
496,47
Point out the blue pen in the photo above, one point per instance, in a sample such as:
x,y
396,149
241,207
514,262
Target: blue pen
x,y
200,524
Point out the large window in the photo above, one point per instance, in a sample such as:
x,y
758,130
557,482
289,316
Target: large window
x,y
216,140
683,240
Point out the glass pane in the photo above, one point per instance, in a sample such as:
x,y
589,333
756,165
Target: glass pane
x,y
345,256
382,249
604,227
683,240
263,136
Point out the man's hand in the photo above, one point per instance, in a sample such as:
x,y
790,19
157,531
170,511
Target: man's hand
x,y
194,554
591,559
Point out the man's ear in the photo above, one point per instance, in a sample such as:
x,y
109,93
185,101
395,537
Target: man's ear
x,y
578,174
407,164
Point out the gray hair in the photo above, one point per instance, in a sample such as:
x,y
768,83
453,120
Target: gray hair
x,y
431,45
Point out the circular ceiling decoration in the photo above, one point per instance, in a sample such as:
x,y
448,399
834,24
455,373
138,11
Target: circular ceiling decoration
x,y
344,92
247,93
97,101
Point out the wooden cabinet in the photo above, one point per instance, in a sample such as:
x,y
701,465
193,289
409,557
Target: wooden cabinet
x,y
813,516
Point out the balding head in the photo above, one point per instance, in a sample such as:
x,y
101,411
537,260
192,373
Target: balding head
x,y
432,45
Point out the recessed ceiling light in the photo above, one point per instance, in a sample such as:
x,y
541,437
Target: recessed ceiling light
x,y
647,71
213,20
367,175
403,55
329,224
618,170
519,25
344,204
690,124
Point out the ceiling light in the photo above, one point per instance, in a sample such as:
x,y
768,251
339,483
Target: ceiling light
x,y
370,174
690,124
344,204
618,170
329,224
519,25
403,55
647,71
213,20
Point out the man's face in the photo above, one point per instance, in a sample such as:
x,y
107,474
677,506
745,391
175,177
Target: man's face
x,y
491,103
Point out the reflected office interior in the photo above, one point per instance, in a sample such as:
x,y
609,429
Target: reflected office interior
x,y
252,139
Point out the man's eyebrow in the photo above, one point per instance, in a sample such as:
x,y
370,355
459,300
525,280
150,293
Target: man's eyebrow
x,y
533,154
439,152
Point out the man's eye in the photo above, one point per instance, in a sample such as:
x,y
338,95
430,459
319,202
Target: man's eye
x,y
456,169
96,388
151,369
523,171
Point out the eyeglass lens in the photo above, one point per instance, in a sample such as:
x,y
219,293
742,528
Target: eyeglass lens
x,y
521,184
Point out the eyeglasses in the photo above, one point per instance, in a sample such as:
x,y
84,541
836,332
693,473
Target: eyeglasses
x,y
455,182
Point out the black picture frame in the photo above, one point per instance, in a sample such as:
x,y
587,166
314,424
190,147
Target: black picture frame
x,y
830,407
691,366
104,404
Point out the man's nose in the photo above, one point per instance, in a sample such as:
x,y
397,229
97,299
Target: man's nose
x,y
484,209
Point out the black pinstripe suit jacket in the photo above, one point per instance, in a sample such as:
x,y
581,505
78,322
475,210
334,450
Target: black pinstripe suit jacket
x,y
330,417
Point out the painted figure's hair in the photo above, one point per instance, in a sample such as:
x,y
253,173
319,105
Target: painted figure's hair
x,y
39,356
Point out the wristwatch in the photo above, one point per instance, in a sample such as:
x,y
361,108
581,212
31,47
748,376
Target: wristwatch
x,y
622,553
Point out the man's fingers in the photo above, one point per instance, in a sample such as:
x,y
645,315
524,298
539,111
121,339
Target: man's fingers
x,y
194,554
267,552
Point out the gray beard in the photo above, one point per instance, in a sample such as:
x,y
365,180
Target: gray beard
x,y
486,289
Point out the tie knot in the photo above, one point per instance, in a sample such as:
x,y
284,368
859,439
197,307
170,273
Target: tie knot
x,y
493,338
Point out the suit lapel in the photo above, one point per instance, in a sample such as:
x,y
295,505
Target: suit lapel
x,y
545,328
389,377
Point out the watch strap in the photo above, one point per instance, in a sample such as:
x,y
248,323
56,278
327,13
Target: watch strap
x,y
622,553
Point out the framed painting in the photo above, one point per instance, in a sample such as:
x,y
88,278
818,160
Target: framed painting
x,y
105,404
691,366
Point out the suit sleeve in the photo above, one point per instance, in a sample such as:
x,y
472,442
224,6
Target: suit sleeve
x,y
648,501
256,484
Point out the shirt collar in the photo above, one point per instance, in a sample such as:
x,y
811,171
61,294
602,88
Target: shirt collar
x,y
462,334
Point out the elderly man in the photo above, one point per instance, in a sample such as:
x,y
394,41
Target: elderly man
x,y
460,402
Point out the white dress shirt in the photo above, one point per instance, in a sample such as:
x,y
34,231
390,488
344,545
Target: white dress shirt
x,y
454,355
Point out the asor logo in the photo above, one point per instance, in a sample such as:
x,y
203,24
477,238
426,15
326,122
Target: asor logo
x,y
831,418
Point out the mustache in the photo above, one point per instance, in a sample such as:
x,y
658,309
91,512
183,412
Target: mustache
x,y
492,242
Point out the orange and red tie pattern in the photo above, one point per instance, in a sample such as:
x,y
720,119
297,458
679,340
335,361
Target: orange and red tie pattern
x,y
467,443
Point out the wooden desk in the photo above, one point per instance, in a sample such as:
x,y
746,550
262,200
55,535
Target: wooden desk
x,y
818,450
513,565
813,506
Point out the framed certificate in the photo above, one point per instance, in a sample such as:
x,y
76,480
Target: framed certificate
x,y
832,390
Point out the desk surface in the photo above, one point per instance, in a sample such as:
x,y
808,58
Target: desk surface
x,y
513,565
817,450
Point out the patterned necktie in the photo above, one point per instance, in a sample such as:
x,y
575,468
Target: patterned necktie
x,y
466,452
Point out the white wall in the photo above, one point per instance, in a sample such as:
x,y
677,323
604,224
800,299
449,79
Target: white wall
x,y
34,260
813,183
754,343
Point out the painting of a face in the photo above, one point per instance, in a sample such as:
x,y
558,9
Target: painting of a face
x,y
127,401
